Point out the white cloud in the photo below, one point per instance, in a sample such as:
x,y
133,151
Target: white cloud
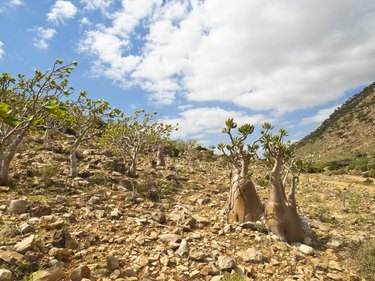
x,y
85,21
281,55
1,49
43,36
203,120
320,116
16,2
10,4
61,11
102,5
109,49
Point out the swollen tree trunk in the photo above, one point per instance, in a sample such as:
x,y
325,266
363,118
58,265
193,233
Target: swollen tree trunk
x,y
281,214
73,164
244,203
160,156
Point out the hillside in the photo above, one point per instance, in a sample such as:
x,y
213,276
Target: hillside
x,y
167,224
350,129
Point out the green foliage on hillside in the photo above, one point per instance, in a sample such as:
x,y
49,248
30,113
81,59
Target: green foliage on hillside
x,y
355,107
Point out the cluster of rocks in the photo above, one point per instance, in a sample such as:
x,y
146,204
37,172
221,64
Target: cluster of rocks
x,y
112,232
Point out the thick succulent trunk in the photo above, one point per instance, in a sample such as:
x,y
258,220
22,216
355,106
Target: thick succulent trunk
x,y
73,164
244,203
281,214
160,156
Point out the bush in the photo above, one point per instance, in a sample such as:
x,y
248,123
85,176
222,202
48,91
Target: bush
x,y
233,277
314,169
48,171
262,182
323,214
365,257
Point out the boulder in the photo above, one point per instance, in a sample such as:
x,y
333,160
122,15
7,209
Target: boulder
x,y
169,237
17,206
11,257
251,255
226,263
5,275
54,273
80,273
112,263
184,249
25,245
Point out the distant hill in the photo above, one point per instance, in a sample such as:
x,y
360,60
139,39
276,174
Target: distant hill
x,y
348,131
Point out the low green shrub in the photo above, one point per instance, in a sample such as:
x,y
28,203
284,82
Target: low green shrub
x,y
365,258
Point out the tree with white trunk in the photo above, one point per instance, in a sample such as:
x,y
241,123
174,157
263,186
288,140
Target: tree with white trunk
x,y
25,102
133,135
86,119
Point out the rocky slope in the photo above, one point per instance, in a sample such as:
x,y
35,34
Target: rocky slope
x,y
349,129
168,224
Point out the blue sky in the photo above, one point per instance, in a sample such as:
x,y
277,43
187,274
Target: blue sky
x,y
200,62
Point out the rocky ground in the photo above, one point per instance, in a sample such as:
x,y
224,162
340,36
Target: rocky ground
x,y
167,224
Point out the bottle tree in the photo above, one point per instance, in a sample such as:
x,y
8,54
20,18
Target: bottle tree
x,y
24,102
281,210
131,136
86,119
244,203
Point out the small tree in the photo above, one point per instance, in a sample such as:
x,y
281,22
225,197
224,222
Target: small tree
x,y
133,135
244,203
86,120
25,102
281,211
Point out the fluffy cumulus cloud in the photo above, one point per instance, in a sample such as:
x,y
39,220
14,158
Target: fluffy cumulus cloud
x,y
280,55
1,49
62,10
319,117
203,120
43,36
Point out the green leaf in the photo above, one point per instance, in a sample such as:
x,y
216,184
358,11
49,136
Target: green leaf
x,y
11,120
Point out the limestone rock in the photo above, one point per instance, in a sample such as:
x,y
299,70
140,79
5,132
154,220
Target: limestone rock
x,y
80,273
25,228
184,249
25,245
17,206
304,248
159,217
41,210
54,273
11,257
112,263
197,255
5,275
70,242
251,255
226,263
169,237
61,254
